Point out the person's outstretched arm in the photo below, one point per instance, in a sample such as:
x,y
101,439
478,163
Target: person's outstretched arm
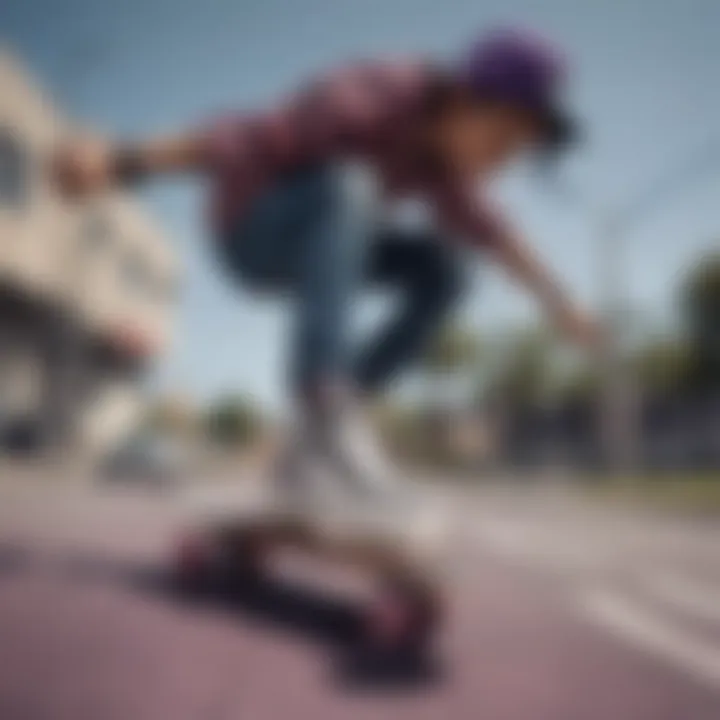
x,y
86,165
318,119
489,230
521,262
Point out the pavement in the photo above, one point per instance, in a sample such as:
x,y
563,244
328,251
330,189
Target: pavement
x,y
558,609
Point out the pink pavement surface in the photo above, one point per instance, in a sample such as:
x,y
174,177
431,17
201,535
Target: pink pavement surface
x,y
87,632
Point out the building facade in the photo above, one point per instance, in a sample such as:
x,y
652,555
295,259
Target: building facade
x,y
87,290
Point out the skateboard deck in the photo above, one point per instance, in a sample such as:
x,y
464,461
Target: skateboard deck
x,y
403,559
396,555
382,540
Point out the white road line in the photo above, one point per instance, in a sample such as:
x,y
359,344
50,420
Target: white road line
x,y
699,600
650,633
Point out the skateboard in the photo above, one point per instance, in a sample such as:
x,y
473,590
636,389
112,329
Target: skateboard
x,y
405,609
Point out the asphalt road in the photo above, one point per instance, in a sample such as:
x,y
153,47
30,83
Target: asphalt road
x,y
557,611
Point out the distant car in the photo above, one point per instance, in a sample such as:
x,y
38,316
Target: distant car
x,y
158,461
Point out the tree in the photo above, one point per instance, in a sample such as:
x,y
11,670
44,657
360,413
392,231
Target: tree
x,y
174,415
700,302
581,386
448,365
453,351
233,421
453,348
524,375
401,427
661,366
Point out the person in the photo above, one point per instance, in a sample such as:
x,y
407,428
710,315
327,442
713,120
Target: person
x,y
298,206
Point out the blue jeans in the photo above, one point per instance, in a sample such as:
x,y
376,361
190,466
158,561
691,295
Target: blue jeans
x,y
315,236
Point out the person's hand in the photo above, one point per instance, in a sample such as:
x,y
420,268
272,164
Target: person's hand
x,y
583,329
82,167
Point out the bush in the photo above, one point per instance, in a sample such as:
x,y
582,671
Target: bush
x,y
233,421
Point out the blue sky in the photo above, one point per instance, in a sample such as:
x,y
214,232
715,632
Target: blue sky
x,y
645,83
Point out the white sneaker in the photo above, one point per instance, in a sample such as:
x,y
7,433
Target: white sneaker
x,y
336,476
353,448
339,466
296,480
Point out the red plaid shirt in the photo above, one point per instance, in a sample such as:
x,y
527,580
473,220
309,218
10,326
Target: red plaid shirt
x,y
367,111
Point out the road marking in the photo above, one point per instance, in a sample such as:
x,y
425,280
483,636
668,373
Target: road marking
x,y
697,599
632,623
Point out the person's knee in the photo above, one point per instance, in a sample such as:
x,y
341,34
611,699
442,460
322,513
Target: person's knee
x,y
354,192
439,281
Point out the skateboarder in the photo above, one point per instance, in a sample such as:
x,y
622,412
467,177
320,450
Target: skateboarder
x,y
299,194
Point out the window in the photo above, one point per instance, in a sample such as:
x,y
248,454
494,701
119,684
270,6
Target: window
x,y
14,170
97,233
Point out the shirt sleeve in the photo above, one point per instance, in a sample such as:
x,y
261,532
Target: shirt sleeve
x,y
330,113
472,217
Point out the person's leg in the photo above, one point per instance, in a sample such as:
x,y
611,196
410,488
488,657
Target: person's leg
x,y
309,237
263,249
328,271
431,276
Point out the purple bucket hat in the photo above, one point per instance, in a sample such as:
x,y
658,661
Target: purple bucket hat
x,y
521,68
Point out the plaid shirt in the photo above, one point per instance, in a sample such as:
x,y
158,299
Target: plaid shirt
x,y
367,112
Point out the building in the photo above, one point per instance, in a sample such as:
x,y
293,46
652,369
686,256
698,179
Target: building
x,y
87,292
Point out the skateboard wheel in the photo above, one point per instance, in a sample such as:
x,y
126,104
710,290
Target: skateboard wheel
x,y
402,619
195,559
246,556
216,560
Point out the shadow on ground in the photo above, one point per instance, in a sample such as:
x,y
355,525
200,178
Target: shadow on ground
x,y
299,609
13,559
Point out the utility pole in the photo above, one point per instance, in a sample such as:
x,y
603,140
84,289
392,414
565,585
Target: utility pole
x,y
619,407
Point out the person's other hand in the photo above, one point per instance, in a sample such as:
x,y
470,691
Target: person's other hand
x,y
584,330
81,167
